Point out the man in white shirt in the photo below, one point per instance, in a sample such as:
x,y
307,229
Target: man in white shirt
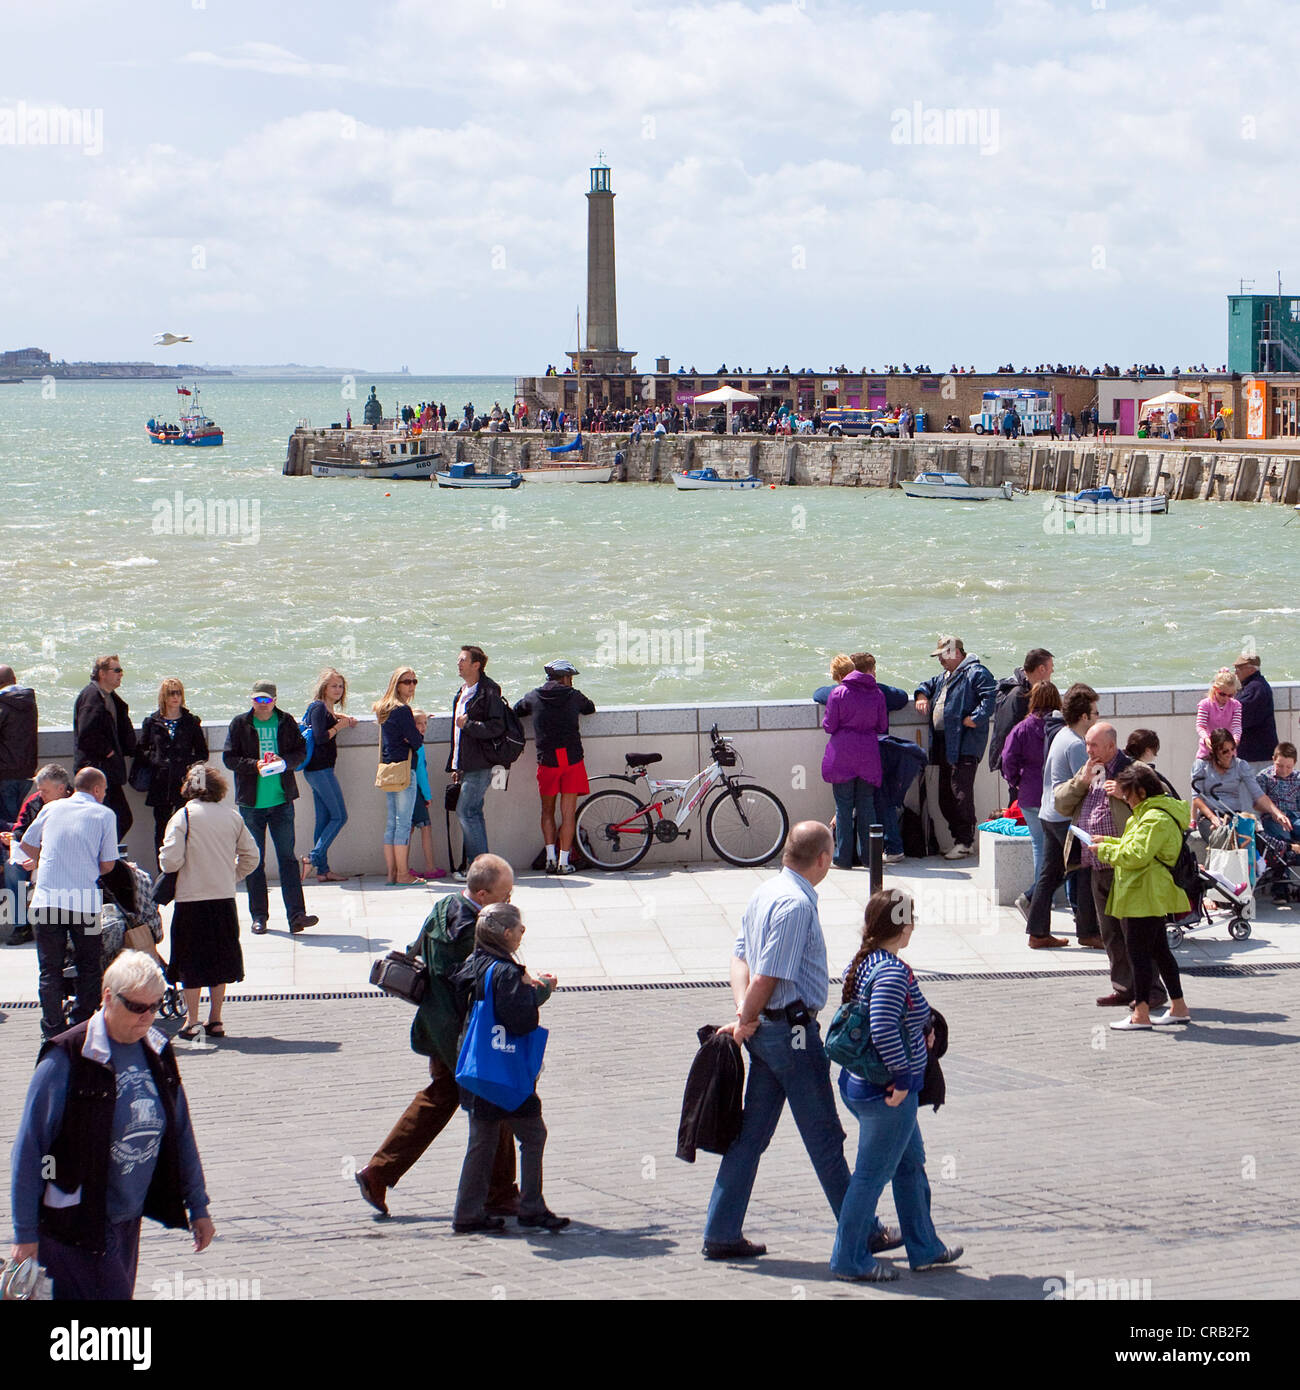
x,y
72,842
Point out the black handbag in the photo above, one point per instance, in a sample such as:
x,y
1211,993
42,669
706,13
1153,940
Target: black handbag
x,y
164,886
402,974
141,776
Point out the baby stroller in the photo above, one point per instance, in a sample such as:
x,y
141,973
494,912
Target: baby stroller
x,y
1279,876
128,904
1213,887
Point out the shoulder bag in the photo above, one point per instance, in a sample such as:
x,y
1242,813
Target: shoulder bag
x,y
164,886
495,1063
848,1039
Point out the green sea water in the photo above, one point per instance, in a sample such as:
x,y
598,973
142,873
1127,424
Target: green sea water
x,y
657,596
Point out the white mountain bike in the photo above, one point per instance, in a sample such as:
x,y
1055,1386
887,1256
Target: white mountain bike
x,y
746,824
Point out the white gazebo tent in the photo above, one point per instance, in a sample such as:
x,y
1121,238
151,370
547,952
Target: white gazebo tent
x,y
728,396
1167,399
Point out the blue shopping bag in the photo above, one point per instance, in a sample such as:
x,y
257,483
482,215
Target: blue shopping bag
x,y
494,1063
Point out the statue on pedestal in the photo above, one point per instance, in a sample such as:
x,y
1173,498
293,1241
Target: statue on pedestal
x,y
374,412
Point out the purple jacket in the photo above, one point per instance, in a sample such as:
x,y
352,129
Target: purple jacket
x,y
855,718
1022,760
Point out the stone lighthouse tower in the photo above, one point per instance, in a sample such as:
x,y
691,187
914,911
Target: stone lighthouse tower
x,y
601,354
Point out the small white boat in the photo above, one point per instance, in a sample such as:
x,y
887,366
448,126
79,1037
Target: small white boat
x,y
707,479
570,473
1102,499
417,467
953,487
464,475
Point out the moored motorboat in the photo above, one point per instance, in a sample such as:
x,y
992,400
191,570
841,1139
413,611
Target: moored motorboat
x,y
954,488
1103,499
571,473
464,475
707,480
417,467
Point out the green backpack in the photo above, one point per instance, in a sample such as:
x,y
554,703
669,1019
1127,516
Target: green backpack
x,y
848,1039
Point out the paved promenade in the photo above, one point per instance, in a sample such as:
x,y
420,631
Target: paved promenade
x,y
1066,1153
664,925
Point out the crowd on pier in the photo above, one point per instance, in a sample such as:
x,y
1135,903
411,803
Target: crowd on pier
x,y
1103,819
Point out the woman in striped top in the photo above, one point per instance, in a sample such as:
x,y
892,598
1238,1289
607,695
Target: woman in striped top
x,y
889,1139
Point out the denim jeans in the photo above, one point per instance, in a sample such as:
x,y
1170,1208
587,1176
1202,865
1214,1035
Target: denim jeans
x,y
18,887
331,814
781,1067
54,928
401,806
1030,814
890,1150
891,817
279,821
855,810
469,812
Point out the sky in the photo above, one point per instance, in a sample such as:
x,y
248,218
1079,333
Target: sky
x,y
805,182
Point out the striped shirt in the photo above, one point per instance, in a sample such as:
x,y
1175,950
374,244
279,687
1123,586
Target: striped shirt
x,y
781,936
75,835
897,1005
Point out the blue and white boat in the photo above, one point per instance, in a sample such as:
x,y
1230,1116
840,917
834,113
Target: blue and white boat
x,y
464,475
1106,501
707,480
195,428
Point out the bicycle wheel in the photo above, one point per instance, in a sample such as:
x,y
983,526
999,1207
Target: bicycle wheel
x,y
748,828
609,832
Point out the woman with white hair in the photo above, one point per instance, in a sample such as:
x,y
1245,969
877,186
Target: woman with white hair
x,y
517,997
209,849
105,1139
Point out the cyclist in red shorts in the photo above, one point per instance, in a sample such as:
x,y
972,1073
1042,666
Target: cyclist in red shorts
x,y
555,708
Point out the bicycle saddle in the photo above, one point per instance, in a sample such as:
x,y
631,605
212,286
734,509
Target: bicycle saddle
x,y
643,759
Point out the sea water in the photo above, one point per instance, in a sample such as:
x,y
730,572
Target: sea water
x,y
210,565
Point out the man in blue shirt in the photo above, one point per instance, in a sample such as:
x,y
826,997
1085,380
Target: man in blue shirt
x,y
780,982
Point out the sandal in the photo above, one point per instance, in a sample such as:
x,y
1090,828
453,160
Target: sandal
x,y
307,870
189,1032
329,876
216,1029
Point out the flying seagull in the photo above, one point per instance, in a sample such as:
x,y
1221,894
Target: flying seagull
x,y
170,339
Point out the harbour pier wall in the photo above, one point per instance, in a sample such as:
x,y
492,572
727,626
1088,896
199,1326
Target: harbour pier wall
x,y
780,743
1197,470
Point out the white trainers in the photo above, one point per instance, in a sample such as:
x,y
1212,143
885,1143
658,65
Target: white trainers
x,y
1167,1019
893,859
959,852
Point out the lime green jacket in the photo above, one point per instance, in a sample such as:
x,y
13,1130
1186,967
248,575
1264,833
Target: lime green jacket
x,y
1143,887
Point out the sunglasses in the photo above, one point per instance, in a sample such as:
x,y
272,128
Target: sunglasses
x,y
136,1007
408,680
263,700
113,670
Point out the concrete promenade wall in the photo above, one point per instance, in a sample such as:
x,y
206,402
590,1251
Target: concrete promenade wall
x,y
1197,469
780,742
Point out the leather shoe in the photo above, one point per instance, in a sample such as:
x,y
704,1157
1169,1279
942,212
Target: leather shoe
x,y
486,1223
506,1208
887,1238
372,1190
1045,943
1115,1001
302,923
741,1249
259,926
1093,943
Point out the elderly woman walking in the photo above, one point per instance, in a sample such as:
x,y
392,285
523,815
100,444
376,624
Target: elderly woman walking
x,y
105,1140
210,850
1144,893
890,1150
517,997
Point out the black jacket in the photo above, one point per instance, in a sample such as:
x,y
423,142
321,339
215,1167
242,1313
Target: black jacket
x,y
485,723
555,708
711,1106
516,1005
934,1090
170,758
242,751
81,1152
17,733
102,738
1012,704
1258,727
399,736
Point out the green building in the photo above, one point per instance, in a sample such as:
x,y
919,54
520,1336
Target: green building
x,y
1263,333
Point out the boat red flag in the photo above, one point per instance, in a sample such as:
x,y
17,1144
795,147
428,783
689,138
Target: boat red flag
x,y
181,391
